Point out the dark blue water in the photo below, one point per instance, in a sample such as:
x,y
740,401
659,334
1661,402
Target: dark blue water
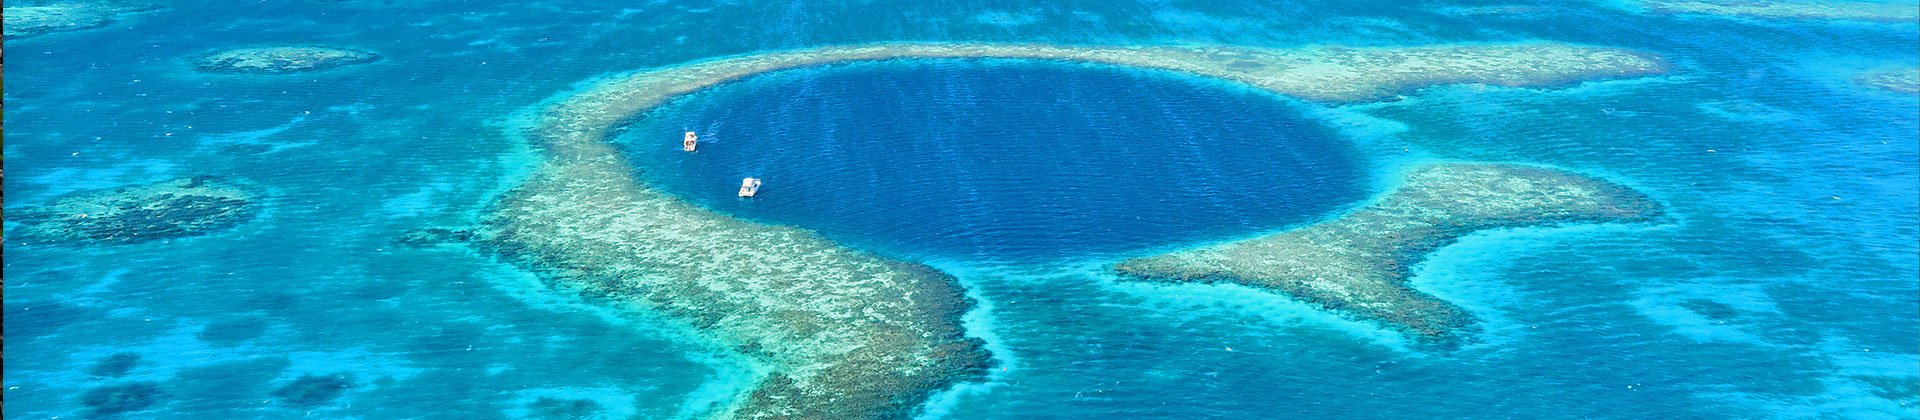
x,y
1001,160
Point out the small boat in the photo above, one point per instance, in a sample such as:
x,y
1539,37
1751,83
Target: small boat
x,y
691,141
749,187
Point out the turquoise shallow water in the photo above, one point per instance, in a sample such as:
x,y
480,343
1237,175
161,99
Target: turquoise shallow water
x,y
1763,296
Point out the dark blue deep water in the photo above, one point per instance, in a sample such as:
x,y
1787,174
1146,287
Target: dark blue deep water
x,y
1000,160
1781,285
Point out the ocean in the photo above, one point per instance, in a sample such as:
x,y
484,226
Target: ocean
x,y
1780,283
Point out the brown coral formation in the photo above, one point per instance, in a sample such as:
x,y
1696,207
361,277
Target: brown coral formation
x,y
171,209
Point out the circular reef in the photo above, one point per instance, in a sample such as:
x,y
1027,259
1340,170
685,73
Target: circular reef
x,y
843,333
171,209
280,60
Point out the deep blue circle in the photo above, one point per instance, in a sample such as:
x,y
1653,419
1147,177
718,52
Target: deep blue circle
x,y
1002,160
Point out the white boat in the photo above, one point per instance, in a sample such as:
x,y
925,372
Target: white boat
x,y
749,187
690,141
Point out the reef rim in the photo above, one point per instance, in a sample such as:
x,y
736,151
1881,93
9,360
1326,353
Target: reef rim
x,y
846,333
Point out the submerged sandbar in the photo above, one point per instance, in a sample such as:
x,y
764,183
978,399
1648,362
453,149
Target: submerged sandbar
x,y
1898,79
283,59
1359,263
1871,11
845,333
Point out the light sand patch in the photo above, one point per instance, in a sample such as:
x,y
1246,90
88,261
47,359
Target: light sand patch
x,y
1899,80
283,59
1833,10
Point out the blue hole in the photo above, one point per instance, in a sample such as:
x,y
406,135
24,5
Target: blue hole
x,y
1000,160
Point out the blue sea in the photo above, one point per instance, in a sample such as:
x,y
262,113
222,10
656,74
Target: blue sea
x,y
1784,281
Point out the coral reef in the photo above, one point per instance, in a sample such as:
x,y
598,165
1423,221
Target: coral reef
x,y
1898,80
844,333
432,236
550,408
1710,309
279,60
232,332
115,366
114,400
40,318
37,18
314,390
1792,9
165,210
1359,263
1900,388
849,334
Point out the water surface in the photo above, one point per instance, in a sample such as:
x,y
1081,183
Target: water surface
x,y
1763,297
